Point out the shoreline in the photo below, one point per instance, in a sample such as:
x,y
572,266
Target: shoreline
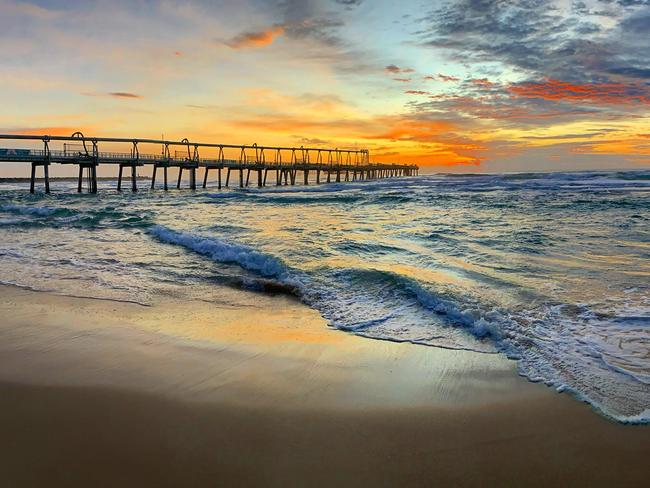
x,y
255,390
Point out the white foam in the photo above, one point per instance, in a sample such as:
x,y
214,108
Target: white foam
x,y
25,210
223,252
4,222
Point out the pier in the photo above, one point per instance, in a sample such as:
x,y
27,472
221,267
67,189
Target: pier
x,y
283,163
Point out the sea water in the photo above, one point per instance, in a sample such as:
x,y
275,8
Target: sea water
x,y
552,270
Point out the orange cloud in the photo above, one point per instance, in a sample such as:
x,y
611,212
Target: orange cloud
x,y
607,93
420,141
255,39
631,146
441,155
317,104
482,82
413,129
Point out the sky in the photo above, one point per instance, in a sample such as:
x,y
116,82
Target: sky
x,y
460,86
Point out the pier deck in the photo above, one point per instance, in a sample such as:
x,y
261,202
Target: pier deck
x,y
283,163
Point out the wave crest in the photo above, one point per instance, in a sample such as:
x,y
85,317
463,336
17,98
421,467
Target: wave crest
x,y
224,252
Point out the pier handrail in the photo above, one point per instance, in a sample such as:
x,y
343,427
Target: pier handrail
x,y
183,142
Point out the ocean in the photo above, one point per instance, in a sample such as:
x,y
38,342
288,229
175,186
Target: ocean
x,y
551,270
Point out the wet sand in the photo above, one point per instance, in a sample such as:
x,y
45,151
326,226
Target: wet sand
x,y
253,390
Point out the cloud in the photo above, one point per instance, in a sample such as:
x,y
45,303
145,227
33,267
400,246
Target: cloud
x,y
540,38
394,69
417,92
124,95
349,4
472,101
319,31
584,135
312,21
632,146
312,141
200,107
441,77
593,93
116,94
447,78
416,139
403,80
415,129
255,39
316,104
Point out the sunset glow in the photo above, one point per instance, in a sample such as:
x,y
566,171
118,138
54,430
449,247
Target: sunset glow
x,y
462,86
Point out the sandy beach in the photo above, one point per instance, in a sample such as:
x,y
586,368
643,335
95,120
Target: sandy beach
x,y
256,390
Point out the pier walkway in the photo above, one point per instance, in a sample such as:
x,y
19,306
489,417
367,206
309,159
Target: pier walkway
x,y
284,163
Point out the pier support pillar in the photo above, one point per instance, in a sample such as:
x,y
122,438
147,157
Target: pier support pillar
x,y
134,178
180,175
205,177
32,180
81,175
192,178
91,175
46,176
306,176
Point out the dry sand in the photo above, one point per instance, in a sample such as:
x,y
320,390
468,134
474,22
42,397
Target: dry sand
x,y
255,390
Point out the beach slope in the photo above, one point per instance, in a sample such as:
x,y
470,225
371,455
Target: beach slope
x,y
255,390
